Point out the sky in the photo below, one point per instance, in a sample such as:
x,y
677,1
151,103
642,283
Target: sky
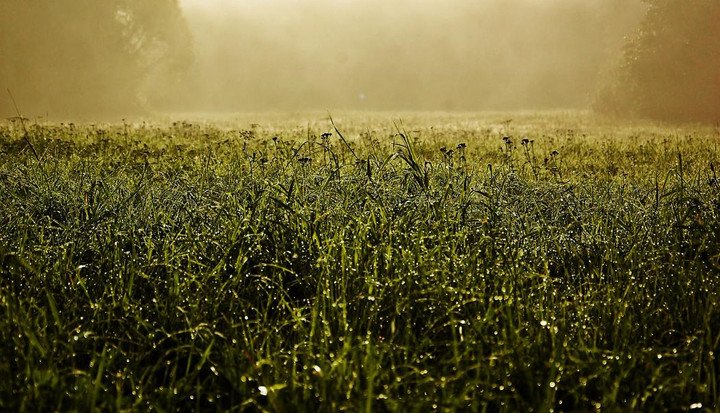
x,y
451,55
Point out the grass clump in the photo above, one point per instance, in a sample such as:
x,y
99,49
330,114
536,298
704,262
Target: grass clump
x,y
193,267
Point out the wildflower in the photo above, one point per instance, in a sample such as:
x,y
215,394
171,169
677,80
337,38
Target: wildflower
x,y
461,145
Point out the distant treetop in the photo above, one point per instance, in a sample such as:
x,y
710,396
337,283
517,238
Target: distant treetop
x,y
86,57
670,68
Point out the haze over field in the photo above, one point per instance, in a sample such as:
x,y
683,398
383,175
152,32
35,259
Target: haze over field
x,y
83,59
404,54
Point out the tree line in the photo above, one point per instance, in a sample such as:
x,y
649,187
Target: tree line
x,y
90,58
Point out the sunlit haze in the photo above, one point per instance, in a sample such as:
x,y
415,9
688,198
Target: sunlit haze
x,y
429,55
82,58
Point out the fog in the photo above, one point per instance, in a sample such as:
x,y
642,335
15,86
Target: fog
x,y
84,59
401,54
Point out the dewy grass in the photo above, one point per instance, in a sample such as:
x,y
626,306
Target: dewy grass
x,y
570,266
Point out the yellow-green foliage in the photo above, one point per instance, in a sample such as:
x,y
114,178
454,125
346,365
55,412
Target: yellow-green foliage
x,y
459,262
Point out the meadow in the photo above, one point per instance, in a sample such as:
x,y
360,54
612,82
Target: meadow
x,y
413,262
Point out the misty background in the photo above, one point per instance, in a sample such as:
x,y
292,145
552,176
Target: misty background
x,y
85,58
402,54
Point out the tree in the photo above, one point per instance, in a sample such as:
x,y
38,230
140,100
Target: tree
x,y
670,69
88,57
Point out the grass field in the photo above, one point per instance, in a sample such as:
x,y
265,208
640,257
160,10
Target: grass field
x,y
494,262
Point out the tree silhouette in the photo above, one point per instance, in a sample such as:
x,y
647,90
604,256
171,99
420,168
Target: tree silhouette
x,y
89,57
670,69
